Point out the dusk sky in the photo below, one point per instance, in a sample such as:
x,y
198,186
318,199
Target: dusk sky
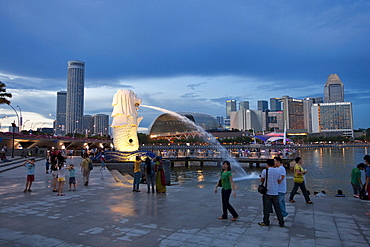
x,y
182,55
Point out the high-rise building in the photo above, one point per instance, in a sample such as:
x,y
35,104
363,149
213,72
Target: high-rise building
x,y
275,121
333,118
262,105
244,105
230,106
275,104
101,124
75,96
60,121
88,124
333,90
246,120
293,114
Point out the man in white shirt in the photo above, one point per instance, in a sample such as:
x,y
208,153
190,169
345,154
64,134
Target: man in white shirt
x,y
271,175
282,185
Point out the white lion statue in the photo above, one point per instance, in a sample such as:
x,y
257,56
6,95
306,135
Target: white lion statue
x,y
125,120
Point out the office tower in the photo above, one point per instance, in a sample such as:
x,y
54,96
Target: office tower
x,y
335,118
275,104
275,121
230,106
246,119
244,105
262,105
75,96
293,114
60,121
88,124
101,124
220,121
333,90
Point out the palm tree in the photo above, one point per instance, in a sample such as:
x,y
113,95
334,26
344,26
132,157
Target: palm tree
x,y
4,95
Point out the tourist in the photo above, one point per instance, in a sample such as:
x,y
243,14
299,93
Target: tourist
x,y
137,173
47,165
85,169
61,179
367,186
299,173
72,178
102,160
149,174
271,177
30,165
356,179
54,173
282,185
160,181
227,186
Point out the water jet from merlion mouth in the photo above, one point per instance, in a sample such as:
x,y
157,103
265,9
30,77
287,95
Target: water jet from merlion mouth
x,y
236,168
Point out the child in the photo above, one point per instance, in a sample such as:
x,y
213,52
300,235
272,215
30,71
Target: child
x,y
72,179
30,165
102,160
61,179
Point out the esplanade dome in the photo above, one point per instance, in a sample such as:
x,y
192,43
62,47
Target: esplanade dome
x,y
167,124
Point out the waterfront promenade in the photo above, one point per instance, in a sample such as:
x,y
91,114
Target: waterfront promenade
x,y
108,213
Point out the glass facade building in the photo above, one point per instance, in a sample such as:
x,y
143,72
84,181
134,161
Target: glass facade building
x,y
75,96
333,90
230,106
60,121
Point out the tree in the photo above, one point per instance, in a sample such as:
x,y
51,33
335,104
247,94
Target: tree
x,y
4,95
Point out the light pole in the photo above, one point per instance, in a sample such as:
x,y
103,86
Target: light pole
x,y
2,121
15,113
20,119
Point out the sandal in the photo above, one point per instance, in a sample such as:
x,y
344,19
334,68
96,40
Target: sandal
x,y
222,218
25,190
309,202
29,190
234,219
291,200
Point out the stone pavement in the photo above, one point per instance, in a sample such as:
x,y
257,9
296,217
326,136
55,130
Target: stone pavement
x,y
108,213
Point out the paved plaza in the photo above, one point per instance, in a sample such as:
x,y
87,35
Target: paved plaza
x,y
108,213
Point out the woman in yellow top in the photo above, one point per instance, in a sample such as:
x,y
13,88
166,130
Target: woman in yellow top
x,y
137,173
299,173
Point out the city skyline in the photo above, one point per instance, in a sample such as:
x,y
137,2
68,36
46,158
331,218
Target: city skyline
x,y
182,56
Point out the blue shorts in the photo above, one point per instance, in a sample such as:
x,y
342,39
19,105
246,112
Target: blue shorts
x,y
72,180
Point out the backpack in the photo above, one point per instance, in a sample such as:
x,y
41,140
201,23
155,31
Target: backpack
x,y
90,165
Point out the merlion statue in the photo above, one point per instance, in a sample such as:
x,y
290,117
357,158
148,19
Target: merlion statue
x,y
125,120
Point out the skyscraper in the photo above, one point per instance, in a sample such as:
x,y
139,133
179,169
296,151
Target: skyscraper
x,y
75,96
275,104
333,90
230,106
293,114
244,105
60,121
262,105
101,124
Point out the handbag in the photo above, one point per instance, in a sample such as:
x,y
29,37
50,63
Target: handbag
x,y
261,188
219,181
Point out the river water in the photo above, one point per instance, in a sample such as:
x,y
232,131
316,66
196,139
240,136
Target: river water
x,y
328,169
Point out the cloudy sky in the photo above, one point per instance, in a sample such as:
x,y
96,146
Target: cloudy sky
x,y
182,55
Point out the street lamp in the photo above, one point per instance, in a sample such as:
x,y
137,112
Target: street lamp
x,y
20,119
15,113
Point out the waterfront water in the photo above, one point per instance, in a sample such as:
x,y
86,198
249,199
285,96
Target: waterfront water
x,y
328,169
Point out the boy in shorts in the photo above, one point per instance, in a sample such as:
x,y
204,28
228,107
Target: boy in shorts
x,y
30,165
72,179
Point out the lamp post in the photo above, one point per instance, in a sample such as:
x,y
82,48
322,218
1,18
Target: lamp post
x,y
15,113
13,125
20,119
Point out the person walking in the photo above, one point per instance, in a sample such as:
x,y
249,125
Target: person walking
x,y
356,179
149,174
30,165
160,179
281,185
102,160
270,176
137,173
227,187
299,173
85,169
